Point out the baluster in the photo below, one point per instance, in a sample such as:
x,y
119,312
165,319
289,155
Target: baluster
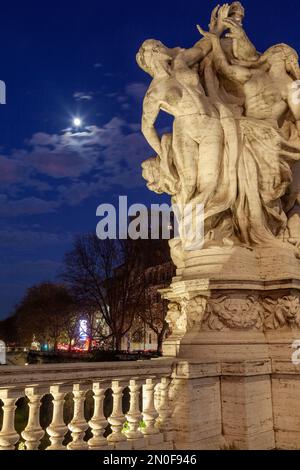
x,y
164,421
33,432
8,434
134,417
117,419
98,422
78,425
58,429
151,432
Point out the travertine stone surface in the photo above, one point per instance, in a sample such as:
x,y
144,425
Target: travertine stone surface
x,y
235,143
247,412
234,148
197,417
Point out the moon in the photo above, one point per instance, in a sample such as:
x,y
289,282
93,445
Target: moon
x,y
77,122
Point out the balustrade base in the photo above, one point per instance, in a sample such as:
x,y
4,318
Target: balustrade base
x,y
123,445
137,444
149,380
162,446
235,317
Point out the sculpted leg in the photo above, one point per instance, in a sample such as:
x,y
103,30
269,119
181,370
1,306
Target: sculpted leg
x,y
209,164
186,152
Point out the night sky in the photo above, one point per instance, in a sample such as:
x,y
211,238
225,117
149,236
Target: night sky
x,y
61,59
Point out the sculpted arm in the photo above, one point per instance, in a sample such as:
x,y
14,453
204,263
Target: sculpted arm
x,y
294,105
216,25
233,72
151,109
191,56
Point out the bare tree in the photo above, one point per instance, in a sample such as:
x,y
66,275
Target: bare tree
x,y
70,332
154,313
154,309
104,277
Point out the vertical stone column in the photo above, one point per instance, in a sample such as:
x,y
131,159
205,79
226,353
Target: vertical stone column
x,y
164,421
33,432
8,435
78,426
98,423
117,419
58,429
150,415
134,417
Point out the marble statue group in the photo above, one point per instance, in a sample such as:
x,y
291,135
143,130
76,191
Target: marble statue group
x,y
235,142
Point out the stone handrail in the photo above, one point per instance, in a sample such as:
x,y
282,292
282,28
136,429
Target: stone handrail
x,y
151,379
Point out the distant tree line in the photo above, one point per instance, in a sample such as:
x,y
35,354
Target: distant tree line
x,y
105,283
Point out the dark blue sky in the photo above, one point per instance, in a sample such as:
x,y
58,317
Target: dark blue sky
x,y
65,58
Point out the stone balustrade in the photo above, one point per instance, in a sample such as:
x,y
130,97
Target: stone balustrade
x,y
143,421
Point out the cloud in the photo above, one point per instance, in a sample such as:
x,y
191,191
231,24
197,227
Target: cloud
x,y
27,206
21,239
136,90
133,92
11,171
83,96
61,162
68,168
98,65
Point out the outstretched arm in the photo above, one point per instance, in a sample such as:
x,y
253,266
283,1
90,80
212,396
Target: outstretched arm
x,y
151,110
216,26
233,72
193,55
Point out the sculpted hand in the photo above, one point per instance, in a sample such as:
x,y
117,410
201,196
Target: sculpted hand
x,y
206,34
218,15
223,13
214,19
236,31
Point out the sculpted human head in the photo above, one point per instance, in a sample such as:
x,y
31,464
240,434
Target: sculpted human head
x,y
151,173
153,56
237,12
280,55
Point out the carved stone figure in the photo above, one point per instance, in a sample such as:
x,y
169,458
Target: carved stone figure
x,y
266,156
235,312
235,301
235,138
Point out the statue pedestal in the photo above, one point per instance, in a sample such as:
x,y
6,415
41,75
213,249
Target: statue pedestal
x,y
244,318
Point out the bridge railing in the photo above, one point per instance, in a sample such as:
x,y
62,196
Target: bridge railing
x,y
139,415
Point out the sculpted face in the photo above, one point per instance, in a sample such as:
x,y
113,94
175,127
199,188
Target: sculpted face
x,y
282,53
237,13
151,54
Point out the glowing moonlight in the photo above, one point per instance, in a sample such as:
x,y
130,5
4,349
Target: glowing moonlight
x,y
77,122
